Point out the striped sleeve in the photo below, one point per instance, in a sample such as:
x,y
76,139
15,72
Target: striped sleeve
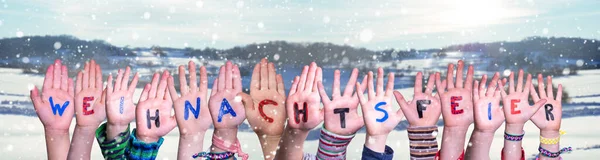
x,y
143,151
333,146
113,149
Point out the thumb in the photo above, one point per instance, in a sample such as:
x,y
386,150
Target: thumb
x,y
35,97
246,100
537,105
401,101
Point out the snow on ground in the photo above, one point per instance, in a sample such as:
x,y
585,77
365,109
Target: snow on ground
x,y
22,137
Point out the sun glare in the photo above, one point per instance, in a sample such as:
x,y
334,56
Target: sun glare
x,y
471,13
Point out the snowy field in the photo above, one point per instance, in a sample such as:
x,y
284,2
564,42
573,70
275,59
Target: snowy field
x,y
23,138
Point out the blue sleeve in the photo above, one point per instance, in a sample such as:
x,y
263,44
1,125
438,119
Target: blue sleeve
x,y
369,154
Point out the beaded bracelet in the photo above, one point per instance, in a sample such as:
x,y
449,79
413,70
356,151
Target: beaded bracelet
x,y
550,154
208,155
514,137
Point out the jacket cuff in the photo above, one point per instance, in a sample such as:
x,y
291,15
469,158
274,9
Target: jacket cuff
x,y
369,154
143,151
116,148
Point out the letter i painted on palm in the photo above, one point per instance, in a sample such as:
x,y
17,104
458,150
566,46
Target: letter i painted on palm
x,y
489,111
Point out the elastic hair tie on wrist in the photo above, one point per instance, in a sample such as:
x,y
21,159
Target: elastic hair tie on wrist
x,y
514,137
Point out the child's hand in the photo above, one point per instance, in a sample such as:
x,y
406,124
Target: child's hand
x,y
304,104
265,106
89,100
549,117
377,110
55,106
341,113
153,111
516,105
120,109
191,109
457,105
225,106
488,113
424,109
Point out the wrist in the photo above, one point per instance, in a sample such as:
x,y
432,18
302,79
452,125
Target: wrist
x,y
514,128
146,139
226,134
376,142
57,132
549,133
86,128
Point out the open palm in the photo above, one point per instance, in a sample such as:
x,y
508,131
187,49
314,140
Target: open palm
x,y
191,109
120,109
226,108
346,104
547,121
516,105
457,105
430,114
489,116
304,96
153,111
379,116
89,100
57,93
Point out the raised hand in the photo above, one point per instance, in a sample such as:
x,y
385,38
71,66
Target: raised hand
x,y
191,110
424,109
341,113
89,100
153,111
516,105
265,106
226,108
489,116
120,109
55,109
549,118
379,116
303,103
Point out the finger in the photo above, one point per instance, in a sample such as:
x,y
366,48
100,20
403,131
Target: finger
x,y
272,77
98,78
401,101
302,81
247,101
162,86
481,86
542,93
390,84
318,77
511,83
335,91
379,87
520,81
171,86
64,78
92,75
85,76
154,87
492,85
430,83
237,78
193,81
418,83
349,90
438,83
527,86
264,74
35,98
125,79
109,84
559,93
537,105
294,87
363,85
203,80
370,87
469,80
221,78
323,94
183,85
134,83
228,75
70,89
118,81
79,81
549,88
459,74
145,93
310,79
534,94
255,82
49,79
103,96
450,76
215,87
498,94
502,91
280,85
57,74
476,90
360,94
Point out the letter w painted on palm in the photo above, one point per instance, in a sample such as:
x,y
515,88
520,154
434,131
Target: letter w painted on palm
x,y
57,107
189,108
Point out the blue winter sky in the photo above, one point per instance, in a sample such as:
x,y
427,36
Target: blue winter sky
x,y
371,24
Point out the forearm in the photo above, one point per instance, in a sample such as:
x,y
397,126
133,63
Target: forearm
x,y
376,142
113,130
269,145
512,149
57,143
190,144
550,147
453,141
81,146
480,145
291,145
